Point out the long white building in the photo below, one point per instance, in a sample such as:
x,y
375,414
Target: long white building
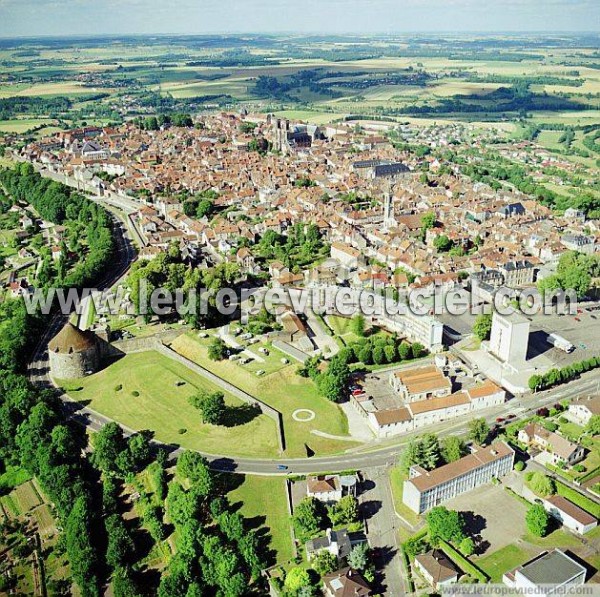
x,y
426,489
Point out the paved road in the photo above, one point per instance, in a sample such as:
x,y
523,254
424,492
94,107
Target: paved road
x,y
377,506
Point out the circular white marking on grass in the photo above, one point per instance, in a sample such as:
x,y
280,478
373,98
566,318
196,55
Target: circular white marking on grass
x,y
303,415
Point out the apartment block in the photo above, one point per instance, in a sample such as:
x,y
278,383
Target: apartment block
x,y
426,489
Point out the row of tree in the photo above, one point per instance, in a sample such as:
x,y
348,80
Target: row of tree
x,y
429,452
556,377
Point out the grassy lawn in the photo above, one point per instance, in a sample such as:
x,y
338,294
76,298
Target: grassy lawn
x,y
503,560
284,390
397,478
571,431
163,407
342,327
558,538
263,502
12,477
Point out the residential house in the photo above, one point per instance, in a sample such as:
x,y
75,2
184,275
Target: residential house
x,y
583,409
345,583
560,450
325,488
339,543
436,568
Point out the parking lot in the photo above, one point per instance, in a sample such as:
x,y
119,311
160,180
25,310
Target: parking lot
x,y
493,517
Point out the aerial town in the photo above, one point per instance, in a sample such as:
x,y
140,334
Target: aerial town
x,y
389,383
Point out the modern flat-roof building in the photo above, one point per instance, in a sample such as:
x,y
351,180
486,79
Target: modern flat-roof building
x,y
426,489
550,573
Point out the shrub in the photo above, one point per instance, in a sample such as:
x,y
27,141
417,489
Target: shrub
x,y
135,393
119,387
182,431
519,465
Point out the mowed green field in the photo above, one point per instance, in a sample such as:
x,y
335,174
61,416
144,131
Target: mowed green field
x,y
22,125
162,406
263,501
284,390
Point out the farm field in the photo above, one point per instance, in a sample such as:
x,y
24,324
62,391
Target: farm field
x,y
22,125
164,387
287,392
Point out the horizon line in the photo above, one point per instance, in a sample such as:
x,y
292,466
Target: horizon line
x,y
439,32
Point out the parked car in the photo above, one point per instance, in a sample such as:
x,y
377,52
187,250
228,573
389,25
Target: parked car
x,y
282,467
511,416
500,420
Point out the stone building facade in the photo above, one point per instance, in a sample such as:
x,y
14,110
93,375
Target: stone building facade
x,y
74,353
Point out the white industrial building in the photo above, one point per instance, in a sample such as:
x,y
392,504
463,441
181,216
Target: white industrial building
x,y
509,338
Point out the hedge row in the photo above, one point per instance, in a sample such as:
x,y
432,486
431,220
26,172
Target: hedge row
x,y
462,562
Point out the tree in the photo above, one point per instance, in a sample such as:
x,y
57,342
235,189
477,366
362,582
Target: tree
x,y
217,350
537,520
424,451
358,325
358,557
593,425
211,406
120,548
467,546
296,579
428,221
541,484
109,442
308,517
430,455
483,326
345,511
140,449
453,448
379,357
123,584
194,466
404,351
324,562
417,350
411,455
445,524
478,430
442,243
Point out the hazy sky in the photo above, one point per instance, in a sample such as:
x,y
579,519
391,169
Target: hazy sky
x,y
72,17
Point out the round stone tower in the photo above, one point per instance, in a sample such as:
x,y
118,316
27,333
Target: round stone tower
x,y
73,353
